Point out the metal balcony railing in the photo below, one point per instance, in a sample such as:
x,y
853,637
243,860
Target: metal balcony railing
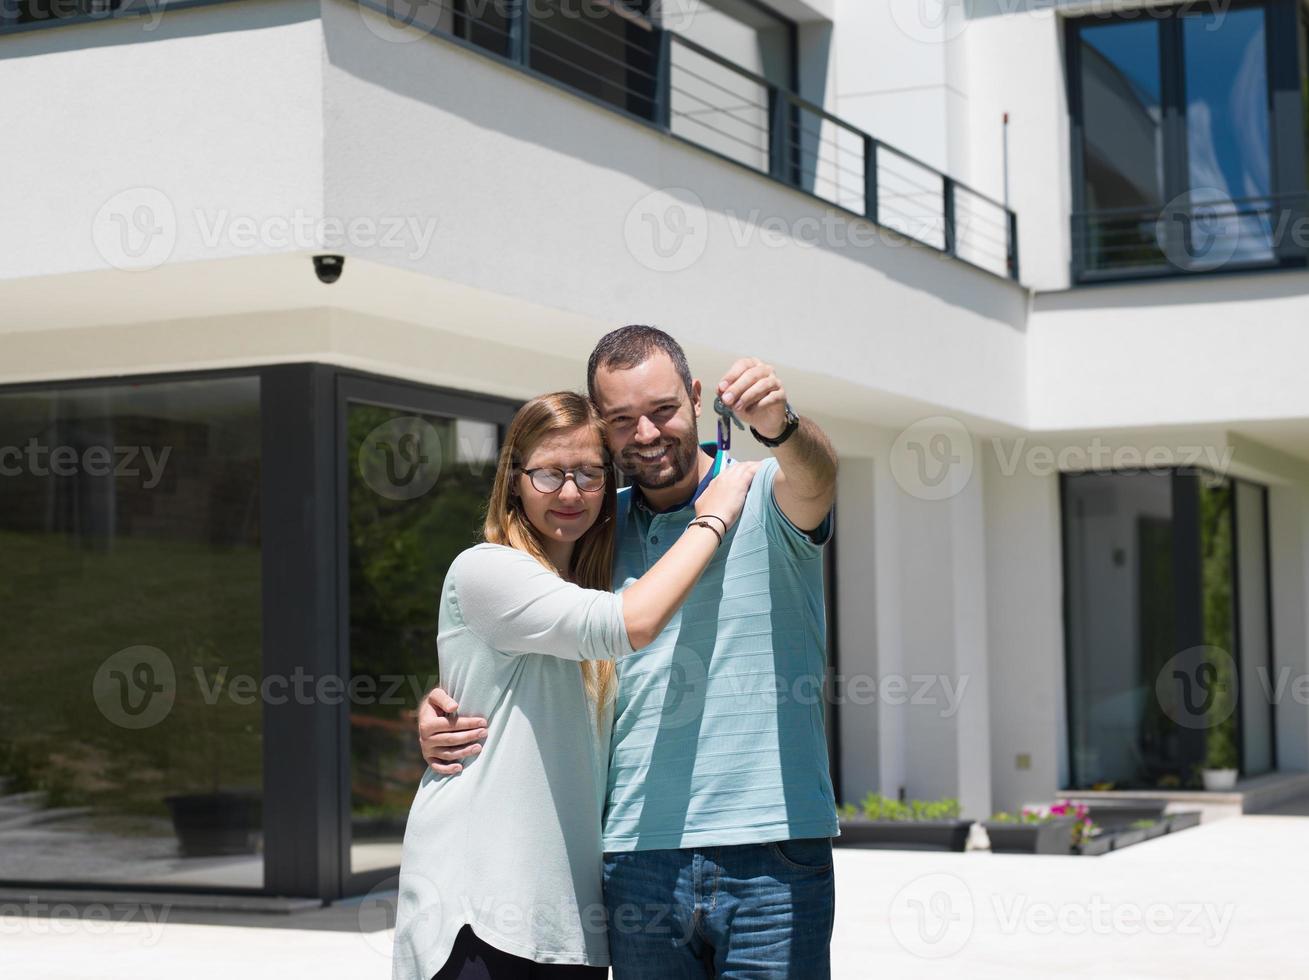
x,y
631,64
742,116
1202,231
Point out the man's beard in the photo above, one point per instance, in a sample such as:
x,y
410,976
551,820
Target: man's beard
x,y
681,460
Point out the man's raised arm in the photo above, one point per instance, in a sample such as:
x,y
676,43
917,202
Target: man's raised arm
x,y
805,485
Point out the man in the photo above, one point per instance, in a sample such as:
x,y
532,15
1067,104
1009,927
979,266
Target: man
x,y
720,811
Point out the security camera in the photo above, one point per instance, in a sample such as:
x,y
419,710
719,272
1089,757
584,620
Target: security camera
x,y
328,268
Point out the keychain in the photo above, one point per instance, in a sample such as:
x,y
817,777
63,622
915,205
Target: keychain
x,y
725,420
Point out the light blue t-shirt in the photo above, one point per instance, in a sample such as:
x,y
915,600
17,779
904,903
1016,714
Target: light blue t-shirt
x,y
719,736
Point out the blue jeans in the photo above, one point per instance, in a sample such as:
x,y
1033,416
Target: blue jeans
x,y
745,912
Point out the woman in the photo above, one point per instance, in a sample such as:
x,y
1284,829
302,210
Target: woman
x,y
500,875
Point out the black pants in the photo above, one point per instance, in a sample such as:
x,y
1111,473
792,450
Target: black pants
x,y
472,959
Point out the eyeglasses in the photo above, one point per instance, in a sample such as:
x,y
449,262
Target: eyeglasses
x,y
548,479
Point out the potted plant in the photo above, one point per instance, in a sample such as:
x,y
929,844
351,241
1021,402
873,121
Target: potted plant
x,y
212,820
933,825
1220,761
1032,830
1087,837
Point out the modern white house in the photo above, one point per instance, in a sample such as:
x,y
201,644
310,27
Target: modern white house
x,y
275,273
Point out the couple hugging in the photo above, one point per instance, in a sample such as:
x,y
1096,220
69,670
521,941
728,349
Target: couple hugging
x,y
618,775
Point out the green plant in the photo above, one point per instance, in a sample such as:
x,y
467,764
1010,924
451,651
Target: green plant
x,y
1220,747
943,809
1142,824
878,807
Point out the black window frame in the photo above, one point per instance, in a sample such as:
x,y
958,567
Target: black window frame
x,y
1285,64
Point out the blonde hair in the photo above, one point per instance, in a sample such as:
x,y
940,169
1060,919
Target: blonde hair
x,y
506,523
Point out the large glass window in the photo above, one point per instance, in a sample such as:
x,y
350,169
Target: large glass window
x,y
1167,628
1122,111
1174,138
131,728
606,48
417,490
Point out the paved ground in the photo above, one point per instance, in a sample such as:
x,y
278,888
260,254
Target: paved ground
x,y
1225,900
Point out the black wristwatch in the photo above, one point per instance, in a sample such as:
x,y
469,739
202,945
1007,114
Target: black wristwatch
x,y
792,423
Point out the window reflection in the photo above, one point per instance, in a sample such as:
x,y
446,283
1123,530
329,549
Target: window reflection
x,y
131,733
1122,107
1227,129
417,491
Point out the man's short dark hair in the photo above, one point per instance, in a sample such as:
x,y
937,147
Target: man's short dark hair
x,y
626,347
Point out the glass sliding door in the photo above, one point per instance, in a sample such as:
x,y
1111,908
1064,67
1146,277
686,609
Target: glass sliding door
x,y
1167,624
1121,586
131,730
419,470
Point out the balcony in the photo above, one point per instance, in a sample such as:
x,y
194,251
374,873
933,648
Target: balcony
x,y
1191,235
614,53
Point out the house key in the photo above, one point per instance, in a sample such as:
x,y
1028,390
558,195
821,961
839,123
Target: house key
x,y
726,418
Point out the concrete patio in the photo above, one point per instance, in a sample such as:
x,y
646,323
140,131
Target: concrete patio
x,y
1226,899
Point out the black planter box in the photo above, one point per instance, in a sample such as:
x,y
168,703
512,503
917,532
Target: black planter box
x,y
1116,815
210,824
1183,821
1126,838
1158,830
908,835
1052,837
1101,843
